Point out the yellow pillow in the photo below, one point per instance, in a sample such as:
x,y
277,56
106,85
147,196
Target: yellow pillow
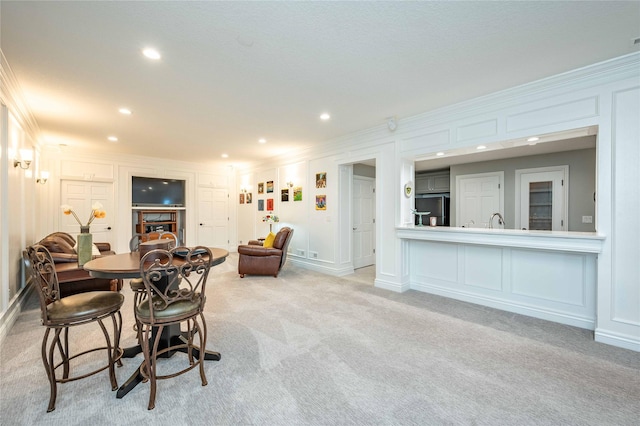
x,y
268,242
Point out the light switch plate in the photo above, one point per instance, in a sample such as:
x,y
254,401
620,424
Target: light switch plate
x,y
587,219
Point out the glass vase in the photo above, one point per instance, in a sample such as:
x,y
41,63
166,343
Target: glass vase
x,y
85,243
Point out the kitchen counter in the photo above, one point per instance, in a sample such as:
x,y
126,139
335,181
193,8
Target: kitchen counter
x,y
544,274
581,242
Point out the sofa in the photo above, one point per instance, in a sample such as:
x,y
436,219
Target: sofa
x,y
255,259
72,278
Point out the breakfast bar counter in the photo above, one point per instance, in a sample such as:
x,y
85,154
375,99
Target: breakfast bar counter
x,y
544,274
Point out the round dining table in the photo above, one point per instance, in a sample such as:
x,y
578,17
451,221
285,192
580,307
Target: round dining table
x,y
127,265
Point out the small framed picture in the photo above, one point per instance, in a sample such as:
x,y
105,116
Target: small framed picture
x,y
270,204
284,195
261,188
321,180
249,197
269,186
260,205
321,202
241,198
297,193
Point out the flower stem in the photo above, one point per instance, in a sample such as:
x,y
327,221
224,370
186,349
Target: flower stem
x,y
76,216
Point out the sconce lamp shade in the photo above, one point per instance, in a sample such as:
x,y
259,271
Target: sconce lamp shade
x,y
44,176
26,155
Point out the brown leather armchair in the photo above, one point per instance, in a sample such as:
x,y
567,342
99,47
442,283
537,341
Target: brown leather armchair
x,y
258,260
72,278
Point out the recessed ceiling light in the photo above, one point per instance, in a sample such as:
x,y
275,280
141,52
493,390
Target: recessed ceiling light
x,y
225,155
262,140
125,111
533,139
440,154
325,116
113,138
151,53
481,147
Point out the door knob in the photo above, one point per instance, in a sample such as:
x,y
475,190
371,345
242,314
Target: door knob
x,y
108,228
201,224
355,229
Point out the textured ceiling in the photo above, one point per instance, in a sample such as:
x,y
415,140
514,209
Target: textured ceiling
x,y
234,72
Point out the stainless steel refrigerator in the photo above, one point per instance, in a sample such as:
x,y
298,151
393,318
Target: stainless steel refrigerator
x,y
437,204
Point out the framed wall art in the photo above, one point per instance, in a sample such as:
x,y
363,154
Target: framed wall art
x,y
261,188
284,195
269,186
249,197
260,205
321,180
270,204
241,198
321,202
297,193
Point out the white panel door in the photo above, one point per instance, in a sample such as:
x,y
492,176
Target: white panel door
x,y
478,197
364,207
213,217
81,195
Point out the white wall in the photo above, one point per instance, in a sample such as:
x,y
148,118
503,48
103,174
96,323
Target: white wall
x,y
604,95
20,196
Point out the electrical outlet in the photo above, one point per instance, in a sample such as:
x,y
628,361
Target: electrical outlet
x,y
587,219
300,252
313,254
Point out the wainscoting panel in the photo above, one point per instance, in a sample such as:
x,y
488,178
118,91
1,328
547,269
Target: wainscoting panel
x,y
483,267
559,113
554,285
477,130
550,277
434,138
435,261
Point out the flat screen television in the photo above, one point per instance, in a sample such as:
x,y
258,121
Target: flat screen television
x,y
156,192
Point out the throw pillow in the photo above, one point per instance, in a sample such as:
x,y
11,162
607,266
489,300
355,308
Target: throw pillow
x,y
94,249
268,242
57,245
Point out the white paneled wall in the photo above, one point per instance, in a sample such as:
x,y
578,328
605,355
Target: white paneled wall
x,y
554,285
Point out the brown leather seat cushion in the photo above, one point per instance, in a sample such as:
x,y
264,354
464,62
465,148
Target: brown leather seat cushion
x,y
87,305
177,309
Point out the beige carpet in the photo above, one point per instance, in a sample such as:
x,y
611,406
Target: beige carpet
x,y
308,349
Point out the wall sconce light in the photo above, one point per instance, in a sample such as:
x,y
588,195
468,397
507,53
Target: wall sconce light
x,y
44,175
25,159
243,190
290,184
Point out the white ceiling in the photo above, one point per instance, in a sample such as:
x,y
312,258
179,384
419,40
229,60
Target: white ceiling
x,y
234,72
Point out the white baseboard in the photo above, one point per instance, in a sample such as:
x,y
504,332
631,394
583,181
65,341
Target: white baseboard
x,y
392,286
317,267
10,316
509,306
615,339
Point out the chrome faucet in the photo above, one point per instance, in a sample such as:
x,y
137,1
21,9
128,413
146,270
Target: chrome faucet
x,y
500,220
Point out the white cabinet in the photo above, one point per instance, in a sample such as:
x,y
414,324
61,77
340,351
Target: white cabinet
x,y
432,182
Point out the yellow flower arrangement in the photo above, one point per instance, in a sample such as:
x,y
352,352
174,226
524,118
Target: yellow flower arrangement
x,y
97,211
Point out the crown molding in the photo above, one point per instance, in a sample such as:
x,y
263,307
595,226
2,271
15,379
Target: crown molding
x,y
12,96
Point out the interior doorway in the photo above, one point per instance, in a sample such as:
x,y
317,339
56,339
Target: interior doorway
x,y
478,196
364,218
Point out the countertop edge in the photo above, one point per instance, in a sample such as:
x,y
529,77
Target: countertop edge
x,y
582,242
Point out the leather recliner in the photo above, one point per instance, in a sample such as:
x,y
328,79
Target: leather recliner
x,y
258,260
